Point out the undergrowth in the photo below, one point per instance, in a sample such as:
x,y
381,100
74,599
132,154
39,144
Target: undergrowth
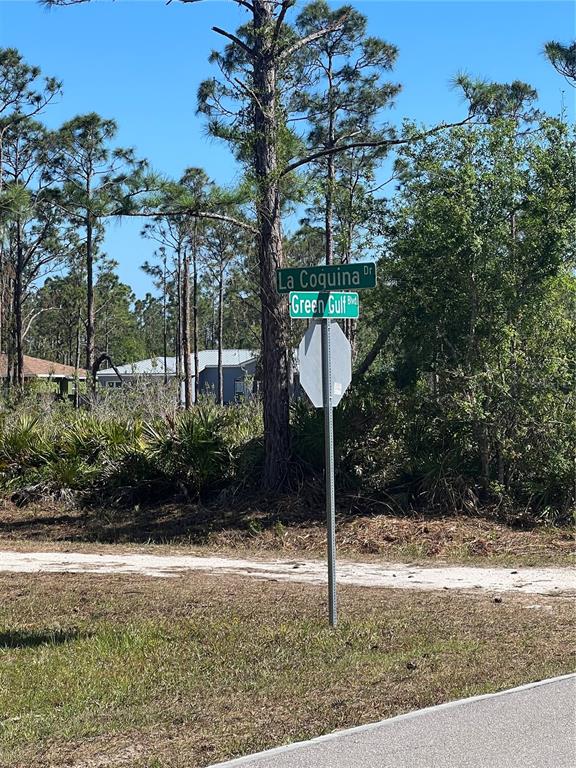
x,y
117,455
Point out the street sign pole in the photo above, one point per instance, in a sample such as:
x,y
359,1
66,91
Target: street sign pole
x,y
329,464
322,294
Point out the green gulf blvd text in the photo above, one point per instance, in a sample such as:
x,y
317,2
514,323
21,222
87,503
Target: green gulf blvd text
x,y
307,305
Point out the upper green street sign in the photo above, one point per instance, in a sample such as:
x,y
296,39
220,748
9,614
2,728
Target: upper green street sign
x,y
336,277
312,304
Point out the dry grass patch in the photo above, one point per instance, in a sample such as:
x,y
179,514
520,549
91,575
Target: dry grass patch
x,y
458,539
285,529
127,671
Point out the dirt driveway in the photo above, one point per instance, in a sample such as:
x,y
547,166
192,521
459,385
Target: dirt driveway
x,y
544,581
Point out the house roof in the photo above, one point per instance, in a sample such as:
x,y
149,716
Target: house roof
x,y
154,365
36,368
207,358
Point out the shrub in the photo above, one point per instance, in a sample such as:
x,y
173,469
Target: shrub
x,y
105,457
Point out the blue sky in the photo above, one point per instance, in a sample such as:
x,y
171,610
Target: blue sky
x,y
141,62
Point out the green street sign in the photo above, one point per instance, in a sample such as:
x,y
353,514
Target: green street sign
x,y
313,304
336,277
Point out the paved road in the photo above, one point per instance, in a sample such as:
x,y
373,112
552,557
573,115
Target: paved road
x,y
529,727
543,581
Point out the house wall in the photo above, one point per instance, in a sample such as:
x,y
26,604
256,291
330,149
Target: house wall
x,y
209,380
106,381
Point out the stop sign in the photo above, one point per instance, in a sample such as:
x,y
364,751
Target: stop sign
x,y
310,363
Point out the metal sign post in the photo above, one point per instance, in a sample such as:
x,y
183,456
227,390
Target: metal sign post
x,y
325,361
329,470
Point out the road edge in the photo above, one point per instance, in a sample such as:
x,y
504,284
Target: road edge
x,y
238,761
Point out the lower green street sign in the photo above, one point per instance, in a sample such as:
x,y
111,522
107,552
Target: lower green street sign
x,y
307,305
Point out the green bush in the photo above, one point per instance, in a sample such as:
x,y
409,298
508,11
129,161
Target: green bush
x,y
113,459
191,449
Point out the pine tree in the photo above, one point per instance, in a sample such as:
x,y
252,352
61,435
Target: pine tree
x,y
23,96
344,95
563,59
95,178
34,236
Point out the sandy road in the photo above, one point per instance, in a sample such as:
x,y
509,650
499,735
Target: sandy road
x,y
543,581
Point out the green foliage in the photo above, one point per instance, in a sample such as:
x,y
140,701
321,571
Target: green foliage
x,y
117,331
499,100
191,449
343,96
480,369
107,457
352,443
472,403
59,326
563,59
23,443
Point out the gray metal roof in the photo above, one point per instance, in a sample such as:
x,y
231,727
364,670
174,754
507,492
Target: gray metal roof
x,y
207,358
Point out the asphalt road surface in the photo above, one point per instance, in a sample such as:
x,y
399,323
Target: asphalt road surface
x,y
529,727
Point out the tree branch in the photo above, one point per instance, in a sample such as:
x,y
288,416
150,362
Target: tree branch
x,y
288,51
243,3
185,212
251,93
286,5
33,317
360,144
223,217
236,40
381,339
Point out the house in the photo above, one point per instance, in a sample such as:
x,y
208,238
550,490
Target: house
x,y
238,366
36,369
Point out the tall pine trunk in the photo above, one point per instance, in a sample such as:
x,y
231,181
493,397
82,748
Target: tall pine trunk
x,y
77,364
9,333
2,296
195,313
90,311
164,324
4,279
274,314
18,298
186,330
220,334
350,326
329,212
178,340
330,175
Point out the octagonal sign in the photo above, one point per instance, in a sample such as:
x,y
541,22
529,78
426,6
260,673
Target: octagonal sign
x,y
310,363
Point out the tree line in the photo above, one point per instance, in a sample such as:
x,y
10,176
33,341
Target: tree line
x,y
59,295
300,97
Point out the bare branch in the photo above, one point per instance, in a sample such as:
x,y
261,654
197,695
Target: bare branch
x,y
236,40
33,317
286,5
283,53
243,3
381,340
223,217
250,92
194,214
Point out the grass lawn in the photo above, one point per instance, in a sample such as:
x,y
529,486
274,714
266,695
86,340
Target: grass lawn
x,y
150,673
